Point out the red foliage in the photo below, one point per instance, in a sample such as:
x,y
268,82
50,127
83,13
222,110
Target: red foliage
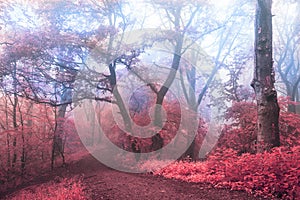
x,y
289,129
240,133
173,116
26,150
271,174
71,189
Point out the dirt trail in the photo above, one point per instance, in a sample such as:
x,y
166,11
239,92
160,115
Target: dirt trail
x,y
105,183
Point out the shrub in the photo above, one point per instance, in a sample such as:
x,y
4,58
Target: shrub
x,y
71,189
240,133
271,174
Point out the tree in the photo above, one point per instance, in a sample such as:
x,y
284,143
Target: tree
x,y
264,79
227,46
286,51
235,90
184,23
45,60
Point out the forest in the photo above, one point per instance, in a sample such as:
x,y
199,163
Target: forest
x,y
149,99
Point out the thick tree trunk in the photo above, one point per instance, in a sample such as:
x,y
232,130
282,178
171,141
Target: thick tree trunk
x,y
263,81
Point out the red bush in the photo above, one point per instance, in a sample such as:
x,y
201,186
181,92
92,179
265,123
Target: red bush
x,y
71,189
173,117
271,174
240,133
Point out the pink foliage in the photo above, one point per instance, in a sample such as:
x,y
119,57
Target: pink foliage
x,y
234,165
71,189
240,133
271,174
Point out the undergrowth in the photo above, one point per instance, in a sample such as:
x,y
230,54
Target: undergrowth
x,y
59,189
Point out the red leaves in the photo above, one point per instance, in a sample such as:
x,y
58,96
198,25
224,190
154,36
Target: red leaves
x,y
240,134
271,175
72,189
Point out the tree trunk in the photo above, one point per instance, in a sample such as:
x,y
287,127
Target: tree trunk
x,y
292,107
123,111
170,79
193,150
57,146
23,154
289,91
172,74
113,79
264,79
58,139
298,102
15,104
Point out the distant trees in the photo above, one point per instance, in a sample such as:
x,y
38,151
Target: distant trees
x,y
189,25
200,71
286,51
234,89
179,27
40,61
26,134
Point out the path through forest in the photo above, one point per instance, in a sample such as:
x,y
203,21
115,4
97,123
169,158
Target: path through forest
x,y
105,183
101,182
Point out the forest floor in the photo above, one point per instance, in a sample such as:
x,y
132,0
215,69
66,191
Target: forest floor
x,y
102,182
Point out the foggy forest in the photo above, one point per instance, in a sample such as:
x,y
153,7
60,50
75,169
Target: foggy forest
x,y
149,99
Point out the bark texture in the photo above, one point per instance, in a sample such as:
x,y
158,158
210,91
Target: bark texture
x,y
264,79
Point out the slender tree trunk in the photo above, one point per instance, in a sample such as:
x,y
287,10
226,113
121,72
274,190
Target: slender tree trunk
x,y
193,149
23,154
289,91
171,76
123,111
298,101
113,79
15,104
293,107
264,79
89,113
167,84
58,135
8,164
58,140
